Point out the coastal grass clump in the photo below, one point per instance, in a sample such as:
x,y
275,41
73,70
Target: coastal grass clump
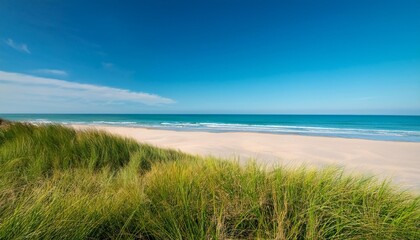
x,y
56,182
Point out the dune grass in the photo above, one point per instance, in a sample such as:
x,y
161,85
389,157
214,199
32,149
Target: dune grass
x,y
58,183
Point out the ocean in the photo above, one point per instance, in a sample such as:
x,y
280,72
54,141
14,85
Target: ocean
x,y
390,128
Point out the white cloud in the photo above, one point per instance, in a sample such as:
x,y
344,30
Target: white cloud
x,y
18,46
27,93
56,72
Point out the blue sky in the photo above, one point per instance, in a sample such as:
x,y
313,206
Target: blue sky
x,y
230,56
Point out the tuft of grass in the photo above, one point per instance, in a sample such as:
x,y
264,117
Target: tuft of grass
x,y
56,182
4,122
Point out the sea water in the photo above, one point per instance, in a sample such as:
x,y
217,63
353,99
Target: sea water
x,y
391,128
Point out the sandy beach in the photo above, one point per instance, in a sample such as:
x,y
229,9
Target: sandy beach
x,y
399,161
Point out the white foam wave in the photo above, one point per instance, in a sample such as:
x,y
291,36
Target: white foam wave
x,y
291,129
40,121
119,123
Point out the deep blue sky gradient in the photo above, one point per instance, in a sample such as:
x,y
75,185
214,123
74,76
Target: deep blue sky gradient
x,y
231,56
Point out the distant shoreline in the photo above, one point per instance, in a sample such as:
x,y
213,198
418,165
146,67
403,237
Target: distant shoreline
x,y
382,128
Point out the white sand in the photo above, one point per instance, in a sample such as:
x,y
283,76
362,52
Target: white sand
x,y
398,160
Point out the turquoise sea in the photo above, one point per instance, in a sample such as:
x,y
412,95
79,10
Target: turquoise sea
x,y
391,128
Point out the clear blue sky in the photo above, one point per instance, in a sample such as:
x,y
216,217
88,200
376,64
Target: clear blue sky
x,y
227,56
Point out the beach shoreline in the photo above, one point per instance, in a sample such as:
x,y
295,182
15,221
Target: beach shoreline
x,y
398,161
377,127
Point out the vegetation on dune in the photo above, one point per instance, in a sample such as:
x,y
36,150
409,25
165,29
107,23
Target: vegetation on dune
x,y
56,182
4,121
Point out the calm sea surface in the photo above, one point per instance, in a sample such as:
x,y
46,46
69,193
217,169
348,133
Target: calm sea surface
x,y
392,128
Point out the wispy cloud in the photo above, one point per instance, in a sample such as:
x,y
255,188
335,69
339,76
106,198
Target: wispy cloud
x,y
20,89
107,65
366,98
22,47
55,72
111,67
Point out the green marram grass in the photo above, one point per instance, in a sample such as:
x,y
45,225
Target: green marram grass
x,y
58,183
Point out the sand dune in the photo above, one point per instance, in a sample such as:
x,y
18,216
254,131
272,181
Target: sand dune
x,y
398,160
